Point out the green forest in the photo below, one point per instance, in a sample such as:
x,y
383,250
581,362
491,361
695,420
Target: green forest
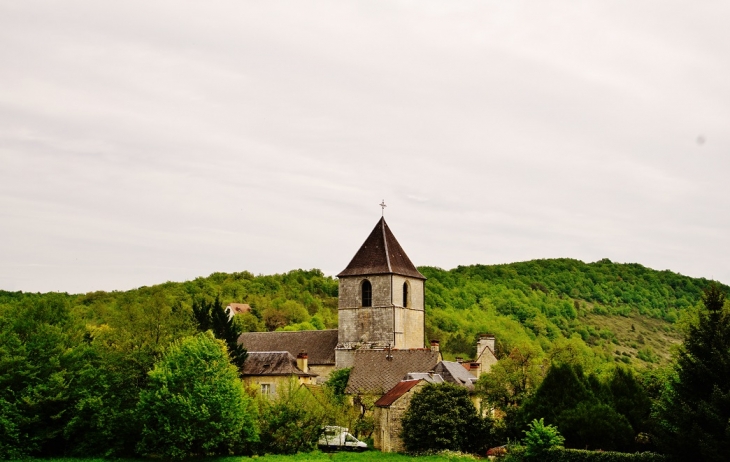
x,y
76,369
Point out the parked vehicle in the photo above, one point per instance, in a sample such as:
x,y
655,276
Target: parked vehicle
x,y
338,439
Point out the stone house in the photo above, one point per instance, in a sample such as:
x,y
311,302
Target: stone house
x,y
319,345
270,370
389,410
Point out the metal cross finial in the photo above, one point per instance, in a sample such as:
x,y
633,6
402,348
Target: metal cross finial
x,y
383,206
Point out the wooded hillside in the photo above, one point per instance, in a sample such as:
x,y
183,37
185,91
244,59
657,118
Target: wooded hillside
x,y
604,311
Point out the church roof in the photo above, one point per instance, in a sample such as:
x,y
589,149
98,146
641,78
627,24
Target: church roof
x,y
381,254
374,373
318,344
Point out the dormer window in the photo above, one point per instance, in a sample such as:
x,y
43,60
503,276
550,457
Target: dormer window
x,y
367,293
405,294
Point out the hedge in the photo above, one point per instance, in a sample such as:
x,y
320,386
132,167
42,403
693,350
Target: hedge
x,y
580,455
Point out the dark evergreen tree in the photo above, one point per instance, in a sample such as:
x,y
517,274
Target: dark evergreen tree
x,y
696,411
212,316
582,407
564,388
630,398
595,425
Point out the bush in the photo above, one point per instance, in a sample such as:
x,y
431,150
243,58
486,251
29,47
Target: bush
x,y
292,421
581,455
540,437
194,403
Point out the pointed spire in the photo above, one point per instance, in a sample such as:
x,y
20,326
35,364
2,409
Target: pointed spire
x,y
381,254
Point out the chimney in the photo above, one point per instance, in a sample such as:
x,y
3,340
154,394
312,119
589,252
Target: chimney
x,y
302,362
434,345
459,359
485,358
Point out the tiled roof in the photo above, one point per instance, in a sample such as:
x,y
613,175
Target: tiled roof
x,y
455,373
381,254
373,373
400,389
237,308
272,363
318,344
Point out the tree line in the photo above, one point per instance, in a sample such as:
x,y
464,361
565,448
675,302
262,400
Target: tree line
x,y
73,368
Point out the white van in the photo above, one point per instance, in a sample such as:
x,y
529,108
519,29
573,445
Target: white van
x,y
338,439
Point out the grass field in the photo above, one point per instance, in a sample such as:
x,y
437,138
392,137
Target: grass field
x,y
314,457
351,457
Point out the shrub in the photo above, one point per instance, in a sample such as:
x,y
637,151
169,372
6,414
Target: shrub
x,y
194,403
581,455
540,437
292,421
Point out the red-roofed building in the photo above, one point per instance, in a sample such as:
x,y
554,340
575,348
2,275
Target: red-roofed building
x,y
388,415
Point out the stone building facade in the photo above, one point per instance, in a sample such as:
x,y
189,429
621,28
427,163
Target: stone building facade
x,y
389,410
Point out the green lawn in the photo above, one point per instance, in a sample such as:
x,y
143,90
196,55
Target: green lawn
x,y
350,457
314,456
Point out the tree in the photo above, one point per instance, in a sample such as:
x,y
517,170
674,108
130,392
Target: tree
x,y
212,316
337,382
115,362
441,416
696,408
512,379
571,401
39,347
194,403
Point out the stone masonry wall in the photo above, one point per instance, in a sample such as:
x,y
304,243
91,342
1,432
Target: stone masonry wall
x,y
388,421
358,324
386,322
409,320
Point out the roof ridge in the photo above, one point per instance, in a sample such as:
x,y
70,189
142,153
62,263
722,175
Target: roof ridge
x,y
385,242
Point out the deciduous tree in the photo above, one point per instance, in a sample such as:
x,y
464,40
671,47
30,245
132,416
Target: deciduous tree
x,y
195,403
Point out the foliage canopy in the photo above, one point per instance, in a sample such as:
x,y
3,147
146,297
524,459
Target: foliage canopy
x,y
194,403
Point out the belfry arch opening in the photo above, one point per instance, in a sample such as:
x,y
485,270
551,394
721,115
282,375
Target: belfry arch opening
x,y
366,293
406,294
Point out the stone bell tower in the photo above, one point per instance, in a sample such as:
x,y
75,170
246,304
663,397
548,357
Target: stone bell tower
x,y
381,299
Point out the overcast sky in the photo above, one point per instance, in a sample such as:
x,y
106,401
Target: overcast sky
x,y
147,141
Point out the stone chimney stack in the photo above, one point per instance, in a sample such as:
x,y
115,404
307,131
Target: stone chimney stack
x,y
485,353
434,345
302,362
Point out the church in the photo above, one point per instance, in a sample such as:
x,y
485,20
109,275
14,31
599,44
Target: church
x,y
381,330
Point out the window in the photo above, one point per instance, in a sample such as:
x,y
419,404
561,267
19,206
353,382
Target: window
x,y
367,293
405,294
265,389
